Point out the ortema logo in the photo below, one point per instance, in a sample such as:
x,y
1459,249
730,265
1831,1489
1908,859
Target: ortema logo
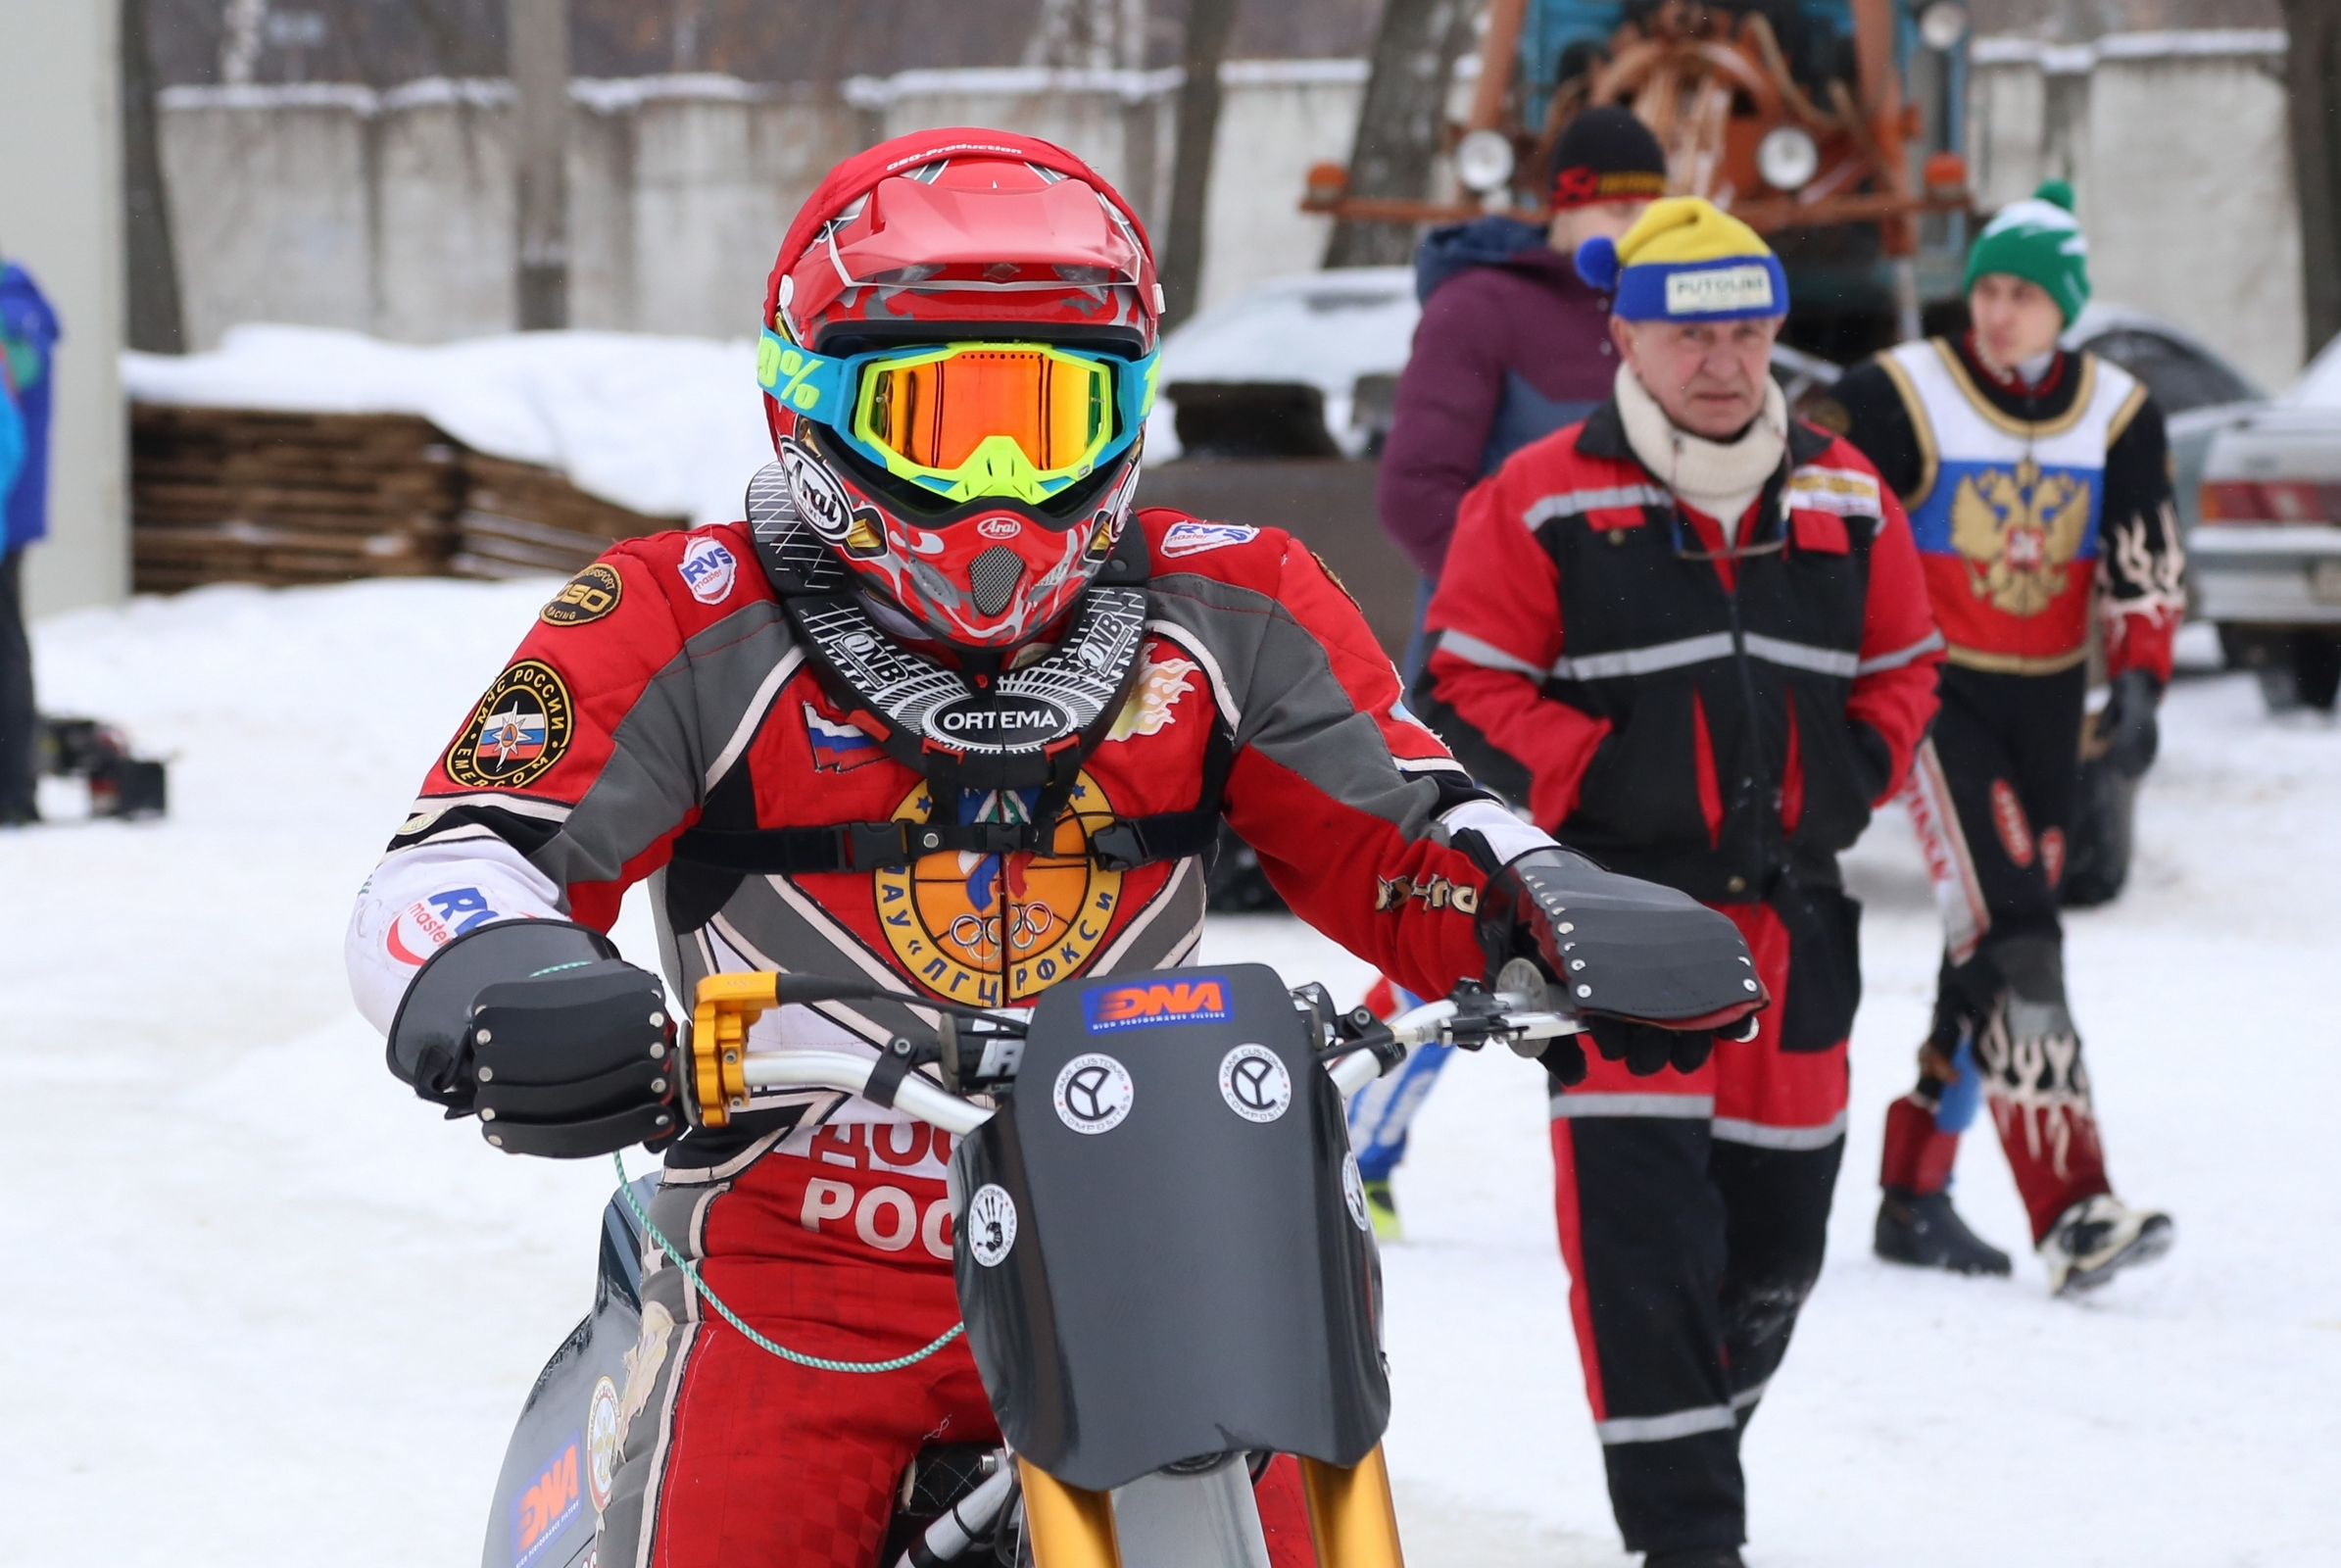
x,y
548,1503
1162,1002
1009,718
707,571
1726,288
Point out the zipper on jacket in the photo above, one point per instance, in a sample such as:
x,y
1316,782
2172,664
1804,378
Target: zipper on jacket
x,y
1772,845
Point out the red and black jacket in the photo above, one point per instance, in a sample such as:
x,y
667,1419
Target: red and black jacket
x,y
1713,723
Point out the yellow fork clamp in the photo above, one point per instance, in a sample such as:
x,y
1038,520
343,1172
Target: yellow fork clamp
x,y
1352,1522
727,1007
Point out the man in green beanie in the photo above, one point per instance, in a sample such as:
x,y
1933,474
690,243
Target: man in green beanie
x,y
2038,488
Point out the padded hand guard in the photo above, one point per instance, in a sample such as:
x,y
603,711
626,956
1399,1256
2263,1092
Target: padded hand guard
x,y
1621,949
577,1062
538,1027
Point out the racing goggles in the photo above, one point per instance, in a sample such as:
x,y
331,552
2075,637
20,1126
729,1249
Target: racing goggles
x,y
969,421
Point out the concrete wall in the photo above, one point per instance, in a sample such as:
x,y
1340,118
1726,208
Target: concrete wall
x,y
716,181
391,213
61,218
1121,121
2176,146
1276,120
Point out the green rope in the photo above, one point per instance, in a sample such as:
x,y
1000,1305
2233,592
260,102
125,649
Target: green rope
x,y
817,1364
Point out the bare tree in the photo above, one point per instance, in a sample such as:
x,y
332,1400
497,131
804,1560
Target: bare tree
x,y
1088,34
155,323
539,30
239,44
1208,24
2312,78
1399,124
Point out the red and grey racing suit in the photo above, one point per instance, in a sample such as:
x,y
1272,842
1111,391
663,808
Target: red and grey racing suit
x,y
1723,724
2032,505
668,690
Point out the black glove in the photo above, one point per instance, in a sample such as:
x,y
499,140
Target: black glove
x,y
580,1061
2126,728
1639,959
1647,1049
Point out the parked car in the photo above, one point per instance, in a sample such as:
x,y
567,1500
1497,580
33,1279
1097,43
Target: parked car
x,y
2199,393
2266,558
1275,370
1308,365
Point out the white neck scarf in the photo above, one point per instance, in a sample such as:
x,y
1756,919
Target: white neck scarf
x,y
1721,478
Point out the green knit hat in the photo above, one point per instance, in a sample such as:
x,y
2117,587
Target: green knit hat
x,y
2036,239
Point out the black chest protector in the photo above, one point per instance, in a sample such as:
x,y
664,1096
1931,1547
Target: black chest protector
x,y
1030,728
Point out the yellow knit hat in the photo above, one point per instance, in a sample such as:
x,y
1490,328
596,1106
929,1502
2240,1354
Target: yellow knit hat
x,y
1685,260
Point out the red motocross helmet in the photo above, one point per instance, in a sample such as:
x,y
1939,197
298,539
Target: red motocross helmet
x,y
958,359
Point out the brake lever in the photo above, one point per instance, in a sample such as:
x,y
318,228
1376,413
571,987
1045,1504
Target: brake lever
x,y
1479,1017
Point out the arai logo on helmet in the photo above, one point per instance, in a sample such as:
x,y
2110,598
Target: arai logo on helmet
x,y
821,500
998,721
1000,528
708,570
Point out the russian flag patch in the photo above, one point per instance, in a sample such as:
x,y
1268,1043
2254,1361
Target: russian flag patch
x,y
838,748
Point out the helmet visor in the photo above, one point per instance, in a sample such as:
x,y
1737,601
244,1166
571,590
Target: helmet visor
x,y
970,420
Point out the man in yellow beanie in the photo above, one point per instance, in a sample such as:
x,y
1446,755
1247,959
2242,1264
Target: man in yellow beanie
x,y
1701,629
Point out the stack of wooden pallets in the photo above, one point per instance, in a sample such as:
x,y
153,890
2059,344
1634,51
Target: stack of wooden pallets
x,y
519,519
233,495
240,495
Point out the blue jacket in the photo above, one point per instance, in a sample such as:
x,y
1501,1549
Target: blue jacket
x,y
28,335
12,439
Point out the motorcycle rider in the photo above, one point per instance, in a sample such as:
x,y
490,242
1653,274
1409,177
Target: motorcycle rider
x,y
947,713
1700,629
2038,486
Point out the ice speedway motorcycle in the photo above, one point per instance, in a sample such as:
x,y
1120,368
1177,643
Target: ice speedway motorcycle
x,y
1145,1357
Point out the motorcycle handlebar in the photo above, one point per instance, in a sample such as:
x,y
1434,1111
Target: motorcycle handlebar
x,y
851,1075
724,1069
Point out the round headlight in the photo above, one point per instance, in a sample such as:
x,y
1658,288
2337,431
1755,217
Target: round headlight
x,y
1942,24
1787,158
1484,160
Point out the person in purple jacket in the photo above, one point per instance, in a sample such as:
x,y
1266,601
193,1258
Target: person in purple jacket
x,y
1512,346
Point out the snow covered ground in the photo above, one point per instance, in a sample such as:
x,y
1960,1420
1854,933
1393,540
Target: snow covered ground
x,y
273,1311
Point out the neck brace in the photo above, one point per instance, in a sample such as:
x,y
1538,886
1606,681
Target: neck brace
x,y
1721,478
1029,728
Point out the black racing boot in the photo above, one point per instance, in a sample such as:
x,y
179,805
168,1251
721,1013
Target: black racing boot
x,y
1696,1557
1924,1229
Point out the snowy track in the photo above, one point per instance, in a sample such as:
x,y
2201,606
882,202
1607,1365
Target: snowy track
x,y
269,1311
